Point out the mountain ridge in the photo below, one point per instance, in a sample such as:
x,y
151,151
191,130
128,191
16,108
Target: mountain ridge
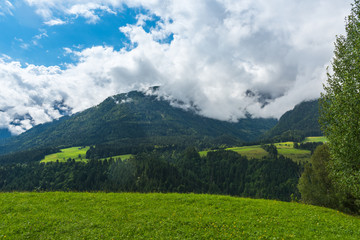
x,y
133,115
296,124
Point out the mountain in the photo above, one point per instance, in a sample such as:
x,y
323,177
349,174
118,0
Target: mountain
x,y
134,117
298,123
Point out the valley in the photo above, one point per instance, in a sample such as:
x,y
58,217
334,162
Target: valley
x,y
179,119
254,151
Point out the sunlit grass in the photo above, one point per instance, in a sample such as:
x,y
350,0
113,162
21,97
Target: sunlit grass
x,y
315,139
58,215
284,148
254,151
77,153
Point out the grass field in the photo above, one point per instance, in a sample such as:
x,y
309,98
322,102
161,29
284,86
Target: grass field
x,y
58,215
315,139
285,148
77,153
256,151
297,155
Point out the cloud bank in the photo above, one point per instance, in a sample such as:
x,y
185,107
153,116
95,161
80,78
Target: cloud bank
x,y
226,57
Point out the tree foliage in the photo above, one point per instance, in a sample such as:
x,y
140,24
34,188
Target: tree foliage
x,y
220,172
340,107
315,185
317,188
296,124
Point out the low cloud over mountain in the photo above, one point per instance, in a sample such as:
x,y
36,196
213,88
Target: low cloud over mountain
x,y
227,58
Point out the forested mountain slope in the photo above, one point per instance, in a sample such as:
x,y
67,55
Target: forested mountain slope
x,y
298,123
133,116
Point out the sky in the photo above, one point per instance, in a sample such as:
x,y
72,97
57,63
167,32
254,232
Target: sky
x,y
225,58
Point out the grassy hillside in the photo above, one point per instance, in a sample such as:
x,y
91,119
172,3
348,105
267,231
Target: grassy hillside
x,y
284,148
59,215
76,153
315,139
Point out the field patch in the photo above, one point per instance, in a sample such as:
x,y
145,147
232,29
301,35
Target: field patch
x,y
77,153
59,215
284,148
315,139
254,151
297,155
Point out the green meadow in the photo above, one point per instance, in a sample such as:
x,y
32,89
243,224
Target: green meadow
x,y
254,151
77,153
315,139
284,148
297,155
60,215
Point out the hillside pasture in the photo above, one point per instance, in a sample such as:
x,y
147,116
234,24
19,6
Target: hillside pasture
x,y
250,152
59,215
297,155
315,139
77,153
284,148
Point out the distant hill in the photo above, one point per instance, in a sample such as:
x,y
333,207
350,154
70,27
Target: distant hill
x,y
298,123
134,117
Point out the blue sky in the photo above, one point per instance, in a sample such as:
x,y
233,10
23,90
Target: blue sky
x,y
28,39
60,57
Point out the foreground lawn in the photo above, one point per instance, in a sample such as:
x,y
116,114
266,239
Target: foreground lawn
x,y
59,215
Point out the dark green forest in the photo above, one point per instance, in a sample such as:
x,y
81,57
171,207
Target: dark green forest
x,y
296,124
220,172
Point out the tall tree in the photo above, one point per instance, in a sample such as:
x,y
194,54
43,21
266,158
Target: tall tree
x,y
340,107
314,185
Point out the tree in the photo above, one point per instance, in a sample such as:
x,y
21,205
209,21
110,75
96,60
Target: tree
x,y
340,107
315,185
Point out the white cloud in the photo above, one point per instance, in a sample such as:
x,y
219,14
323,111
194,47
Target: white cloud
x,y
6,7
227,57
54,22
90,10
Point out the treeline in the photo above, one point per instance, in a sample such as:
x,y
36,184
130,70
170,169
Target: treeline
x,y
33,155
311,146
296,124
161,144
220,172
318,188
